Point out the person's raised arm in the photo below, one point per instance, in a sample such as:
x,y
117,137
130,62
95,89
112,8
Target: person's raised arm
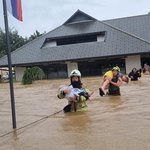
x,y
118,83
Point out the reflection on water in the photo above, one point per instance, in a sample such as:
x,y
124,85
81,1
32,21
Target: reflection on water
x,y
111,123
76,121
75,128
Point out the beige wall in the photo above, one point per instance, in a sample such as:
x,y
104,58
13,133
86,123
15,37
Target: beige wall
x,y
132,62
71,66
19,73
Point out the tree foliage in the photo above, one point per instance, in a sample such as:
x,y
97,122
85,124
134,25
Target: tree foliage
x,y
37,73
32,74
27,76
35,35
16,40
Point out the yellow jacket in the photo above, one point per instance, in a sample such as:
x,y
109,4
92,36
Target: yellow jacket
x,y
80,105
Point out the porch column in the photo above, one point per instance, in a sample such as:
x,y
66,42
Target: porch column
x,y
71,66
19,73
132,62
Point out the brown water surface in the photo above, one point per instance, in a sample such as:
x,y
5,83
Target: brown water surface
x,y
111,123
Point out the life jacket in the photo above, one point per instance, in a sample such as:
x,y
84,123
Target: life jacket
x,y
114,90
79,105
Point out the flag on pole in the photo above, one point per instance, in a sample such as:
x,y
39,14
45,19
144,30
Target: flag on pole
x,y
15,8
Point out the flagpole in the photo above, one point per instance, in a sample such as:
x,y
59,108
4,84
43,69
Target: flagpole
x,y
9,65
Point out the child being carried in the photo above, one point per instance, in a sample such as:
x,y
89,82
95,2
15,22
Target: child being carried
x,y
75,93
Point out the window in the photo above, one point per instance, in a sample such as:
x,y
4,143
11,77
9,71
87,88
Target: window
x,y
76,39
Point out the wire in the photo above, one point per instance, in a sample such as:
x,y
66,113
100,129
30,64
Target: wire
x,y
31,123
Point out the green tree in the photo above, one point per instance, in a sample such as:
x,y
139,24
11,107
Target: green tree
x,y
31,74
16,40
37,73
2,43
35,35
27,76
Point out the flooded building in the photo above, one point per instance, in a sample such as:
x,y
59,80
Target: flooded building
x,y
87,44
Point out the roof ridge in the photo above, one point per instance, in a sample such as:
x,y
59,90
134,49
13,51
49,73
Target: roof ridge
x,y
126,17
77,12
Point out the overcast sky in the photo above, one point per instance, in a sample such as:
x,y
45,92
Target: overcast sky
x,y
45,15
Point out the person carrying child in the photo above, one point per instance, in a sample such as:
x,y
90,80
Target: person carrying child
x,y
112,80
76,93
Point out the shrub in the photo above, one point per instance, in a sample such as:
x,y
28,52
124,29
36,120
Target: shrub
x,y
31,74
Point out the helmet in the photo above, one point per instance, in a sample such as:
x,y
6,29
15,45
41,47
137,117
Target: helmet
x,y
116,68
75,73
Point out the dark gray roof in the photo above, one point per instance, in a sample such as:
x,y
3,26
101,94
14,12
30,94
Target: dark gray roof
x,y
136,25
118,42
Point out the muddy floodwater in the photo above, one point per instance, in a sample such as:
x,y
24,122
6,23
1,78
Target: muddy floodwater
x,y
111,123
